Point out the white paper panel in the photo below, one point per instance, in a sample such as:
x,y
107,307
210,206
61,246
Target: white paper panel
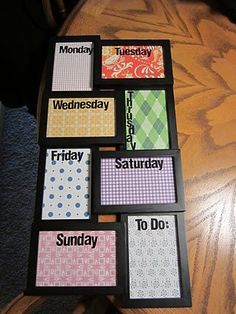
x,y
67,184
153,257
73,69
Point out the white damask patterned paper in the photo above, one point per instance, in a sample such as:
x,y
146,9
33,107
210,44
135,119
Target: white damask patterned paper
x,y
153,257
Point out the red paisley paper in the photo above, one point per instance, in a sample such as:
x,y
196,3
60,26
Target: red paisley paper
x,y
132,66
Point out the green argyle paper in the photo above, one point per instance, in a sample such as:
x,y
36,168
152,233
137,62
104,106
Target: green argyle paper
x,y
146,120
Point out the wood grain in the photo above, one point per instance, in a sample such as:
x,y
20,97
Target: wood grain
x,y
204,64
22,304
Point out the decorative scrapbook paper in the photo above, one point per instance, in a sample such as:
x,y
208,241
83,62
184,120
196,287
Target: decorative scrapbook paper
x,y
146,120
67,184
127,62
137,180
73,66
153,257
81,117
76,258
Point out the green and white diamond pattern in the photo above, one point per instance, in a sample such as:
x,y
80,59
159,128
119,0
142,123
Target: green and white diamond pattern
x,y
149,118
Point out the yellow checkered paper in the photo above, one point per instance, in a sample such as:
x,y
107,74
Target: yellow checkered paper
x,y
81,117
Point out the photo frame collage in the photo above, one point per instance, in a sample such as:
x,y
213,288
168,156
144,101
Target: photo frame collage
x,y
108,145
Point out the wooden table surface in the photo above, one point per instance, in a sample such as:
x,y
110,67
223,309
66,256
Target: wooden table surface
x,y
204,67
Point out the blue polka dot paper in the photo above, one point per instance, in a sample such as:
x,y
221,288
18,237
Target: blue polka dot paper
x,y
67,184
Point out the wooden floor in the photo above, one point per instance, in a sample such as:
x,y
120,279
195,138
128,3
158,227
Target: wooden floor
x,y
204,64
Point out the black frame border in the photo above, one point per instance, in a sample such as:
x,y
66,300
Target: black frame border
x,y
170,112
137,208
51,53
112,83
32,289
185,299
119,120
40,191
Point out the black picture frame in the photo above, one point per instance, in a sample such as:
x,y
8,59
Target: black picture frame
x,y
51,53
170,110
39,192
185,299
136,208
119,120
114,83
32,289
